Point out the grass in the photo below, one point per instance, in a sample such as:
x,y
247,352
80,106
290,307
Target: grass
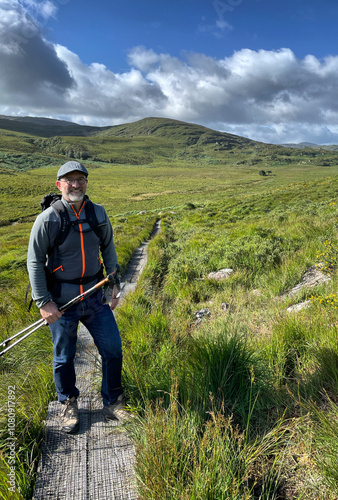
x,y
193,459
221,403
326,442
26,389
242,404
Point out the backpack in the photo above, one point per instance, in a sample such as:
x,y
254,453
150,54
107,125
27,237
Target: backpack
x,y
54,200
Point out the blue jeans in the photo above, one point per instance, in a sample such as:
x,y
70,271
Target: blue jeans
x,y
101,324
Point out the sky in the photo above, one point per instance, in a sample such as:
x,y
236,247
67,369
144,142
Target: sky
x,y
262,69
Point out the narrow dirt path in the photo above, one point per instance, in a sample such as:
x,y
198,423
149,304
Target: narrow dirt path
x,y
97,462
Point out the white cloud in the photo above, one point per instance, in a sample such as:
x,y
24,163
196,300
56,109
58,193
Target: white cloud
x,y
270,96
143,59
102,94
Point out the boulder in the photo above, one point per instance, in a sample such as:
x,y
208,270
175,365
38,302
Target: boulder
x,y
312,277
202,313
299,307
220,275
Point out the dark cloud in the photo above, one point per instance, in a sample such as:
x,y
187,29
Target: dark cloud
x,y
31,72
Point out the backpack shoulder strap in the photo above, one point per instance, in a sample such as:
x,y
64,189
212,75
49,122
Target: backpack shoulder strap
x,y
64,226
92,219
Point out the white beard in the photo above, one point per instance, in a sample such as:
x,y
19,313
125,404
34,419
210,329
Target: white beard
x,y
75,196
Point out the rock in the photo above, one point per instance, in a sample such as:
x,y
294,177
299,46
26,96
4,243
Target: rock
x,y
222,274
199,315
299,307
225,306
313,276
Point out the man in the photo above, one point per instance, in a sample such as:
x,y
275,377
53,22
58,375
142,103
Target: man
x,y
73,267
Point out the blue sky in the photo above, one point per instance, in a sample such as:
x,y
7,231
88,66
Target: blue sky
x,y
106,31
256,68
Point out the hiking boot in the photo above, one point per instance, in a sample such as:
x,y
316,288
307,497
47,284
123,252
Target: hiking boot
x,y
111,412
70,416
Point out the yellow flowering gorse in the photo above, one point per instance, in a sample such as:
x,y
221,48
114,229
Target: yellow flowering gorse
x,y
326,300
328,258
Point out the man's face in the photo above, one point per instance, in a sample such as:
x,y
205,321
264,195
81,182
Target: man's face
x,y
73,186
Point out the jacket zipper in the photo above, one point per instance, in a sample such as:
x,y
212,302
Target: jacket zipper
x,y
82,245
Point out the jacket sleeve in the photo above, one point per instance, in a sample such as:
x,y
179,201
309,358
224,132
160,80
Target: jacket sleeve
x,y
38,246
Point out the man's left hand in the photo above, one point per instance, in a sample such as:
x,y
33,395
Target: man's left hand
x,y
114,298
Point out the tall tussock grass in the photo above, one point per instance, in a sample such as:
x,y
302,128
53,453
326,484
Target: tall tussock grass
x,y
26,388
326,442
233,407
181,455
219,372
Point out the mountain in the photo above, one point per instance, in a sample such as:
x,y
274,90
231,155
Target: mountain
x,y
37,120
45,127
175,130
32,142
302,145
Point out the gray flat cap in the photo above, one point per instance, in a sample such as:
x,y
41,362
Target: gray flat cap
x,y
71,166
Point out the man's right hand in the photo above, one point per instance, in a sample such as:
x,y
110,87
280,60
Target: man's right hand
x,y
50,312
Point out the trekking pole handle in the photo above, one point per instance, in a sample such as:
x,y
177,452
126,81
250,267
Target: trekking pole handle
x,y
75,300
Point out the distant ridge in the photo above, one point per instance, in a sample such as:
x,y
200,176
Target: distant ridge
x,y
46,127
38,120
302,145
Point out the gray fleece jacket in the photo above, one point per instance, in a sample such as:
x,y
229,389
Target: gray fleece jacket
x,y
78,256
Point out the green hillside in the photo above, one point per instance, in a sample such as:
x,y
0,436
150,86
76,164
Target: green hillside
x,y
182,132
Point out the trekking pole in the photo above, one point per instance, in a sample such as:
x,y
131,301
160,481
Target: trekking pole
x,y
5,342
41,322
